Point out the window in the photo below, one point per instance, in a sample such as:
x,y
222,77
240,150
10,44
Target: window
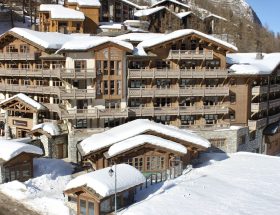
x,y
25,66
90,208
218,142
112,68
163,83
26,82
187,120
112,87
83,207
24,48
106,89
232,98
119,87
105,68
11,49
155,163
163,119
80,65
57,83
232,116
137,162
210,119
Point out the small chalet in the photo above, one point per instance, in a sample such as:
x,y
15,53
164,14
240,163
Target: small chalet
x,y
94,193
148,146
52,138
16,160
21,114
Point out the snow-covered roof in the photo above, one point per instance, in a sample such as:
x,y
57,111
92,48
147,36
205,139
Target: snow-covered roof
x,y
184,14
104,184
91,3
10,149
25,99
248,64
117,26
133,4
181,33
60,12
49,127
138,37
215,16
140,126
92,42
47,40
172,1
136,141
148,12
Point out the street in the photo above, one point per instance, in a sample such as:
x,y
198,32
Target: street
x,y
11,207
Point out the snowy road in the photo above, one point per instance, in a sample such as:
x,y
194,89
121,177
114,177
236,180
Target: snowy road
x,y
10,207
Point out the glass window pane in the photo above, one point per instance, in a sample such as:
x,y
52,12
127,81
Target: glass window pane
x,y
90,208
83,208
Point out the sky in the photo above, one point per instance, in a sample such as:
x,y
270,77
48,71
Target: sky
x,y
268,12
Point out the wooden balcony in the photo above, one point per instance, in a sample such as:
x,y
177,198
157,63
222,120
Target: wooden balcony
x,y
177,92
257,124
50,90
274,118
274,103
18,56
176,73
58,73
191,54
191,110
259,90
77,93
94,113
257,107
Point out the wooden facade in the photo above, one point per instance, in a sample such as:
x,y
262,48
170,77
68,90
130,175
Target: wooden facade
x,y
185,83
87,202
18,168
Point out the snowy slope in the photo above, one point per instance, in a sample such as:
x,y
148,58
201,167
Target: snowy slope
x,y
242,184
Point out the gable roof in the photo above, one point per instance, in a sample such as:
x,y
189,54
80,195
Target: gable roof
x,y
182,33
44,40
143,139
10,149
103,184
93,42
91,3
171,1
25,99
125,131
58,11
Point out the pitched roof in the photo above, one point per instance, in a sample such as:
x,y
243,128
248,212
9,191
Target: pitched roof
x,y
172,1
149,11
103,184
136,141
91,3
26,99
10,149
60,12
182,33
125,131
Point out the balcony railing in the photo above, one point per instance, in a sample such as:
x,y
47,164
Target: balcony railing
x,y
191,54
177,73
58,73
18,56
176,92
61,92
256,124
94,113
221,125
258,90
191,110
256,107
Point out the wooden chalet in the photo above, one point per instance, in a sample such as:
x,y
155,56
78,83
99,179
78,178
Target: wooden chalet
x,y
21,114
142,150
16,160
93,193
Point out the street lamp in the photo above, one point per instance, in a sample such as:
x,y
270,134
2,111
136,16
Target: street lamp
x,y
111,173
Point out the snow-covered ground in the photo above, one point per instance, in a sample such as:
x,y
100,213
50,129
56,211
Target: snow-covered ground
x,y
234,184
243,183
44,193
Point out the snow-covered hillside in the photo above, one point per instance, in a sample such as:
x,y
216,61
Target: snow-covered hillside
x,y
241,184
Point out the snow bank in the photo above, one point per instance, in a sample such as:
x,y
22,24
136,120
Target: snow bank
x,y
10,149
134,128
27,100
242,184
104,184
49,127
133,142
